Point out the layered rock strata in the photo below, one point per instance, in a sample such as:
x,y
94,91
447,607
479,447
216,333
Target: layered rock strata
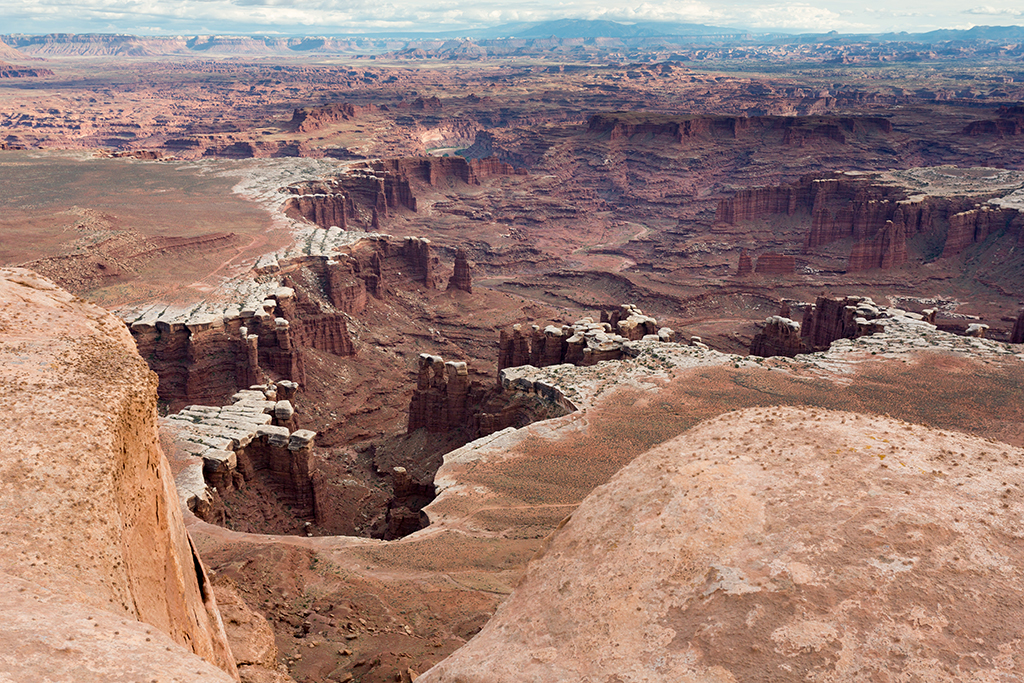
x,y
222,448
367,192
775,264
826,321
206,352
100,579
795,131
1017,336
879,218
779,337
585,342
444,399
461,277
746,265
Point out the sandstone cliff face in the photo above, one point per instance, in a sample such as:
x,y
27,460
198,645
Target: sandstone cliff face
x,y
1017,336
775,264
368,192
791,130
585,342
780,337
220,449
745,266
887,249
775,544
825,321
420,260
461,277
308,119
974,225
879,219
444,399
93,540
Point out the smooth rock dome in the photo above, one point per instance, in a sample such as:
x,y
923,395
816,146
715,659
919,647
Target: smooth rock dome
x,y
778,544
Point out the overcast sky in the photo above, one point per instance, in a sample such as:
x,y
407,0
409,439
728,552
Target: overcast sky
x,y
317,17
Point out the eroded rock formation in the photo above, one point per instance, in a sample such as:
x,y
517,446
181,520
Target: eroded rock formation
x,y
308,119
775,264
368,192
746,266
585,342
780,337
226,448
420,260
96,564
878,218
461,277
444,399
205,354
794,131
1017,336
825,321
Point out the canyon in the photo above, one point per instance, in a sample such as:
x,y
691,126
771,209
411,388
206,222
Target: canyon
x,y
505,358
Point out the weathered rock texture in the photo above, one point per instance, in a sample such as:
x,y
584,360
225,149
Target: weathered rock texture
x,y
223,448
776,544
825,321
780,337
446,400
368,192
879,219
205,354
686,130
745,266
308,119
585,342
1017,336
775,264
461,277
92,538
442,399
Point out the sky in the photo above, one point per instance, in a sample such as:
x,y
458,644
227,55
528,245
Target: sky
x,y
330,17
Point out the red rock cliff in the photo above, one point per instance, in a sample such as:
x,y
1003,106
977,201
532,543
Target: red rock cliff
x,y
93,546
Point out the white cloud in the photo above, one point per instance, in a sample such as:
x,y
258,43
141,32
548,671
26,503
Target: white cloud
x,y
988,10
343,16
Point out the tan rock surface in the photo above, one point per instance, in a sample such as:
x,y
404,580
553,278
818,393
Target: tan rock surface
x,y
777,543
92,523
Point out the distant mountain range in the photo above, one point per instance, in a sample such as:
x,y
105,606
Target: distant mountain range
x,y
638,35
594,28
577,28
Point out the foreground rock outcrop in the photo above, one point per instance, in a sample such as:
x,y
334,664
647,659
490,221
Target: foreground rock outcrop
x,y
98,578
776,543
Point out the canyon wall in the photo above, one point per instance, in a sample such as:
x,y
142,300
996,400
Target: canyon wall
x,y
446,400
791,130
585,342
367,192
97,566
220,449
1017,336
825,321
207,353
878,219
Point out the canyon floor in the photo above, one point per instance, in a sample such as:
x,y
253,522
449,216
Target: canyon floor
x,y
167,188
